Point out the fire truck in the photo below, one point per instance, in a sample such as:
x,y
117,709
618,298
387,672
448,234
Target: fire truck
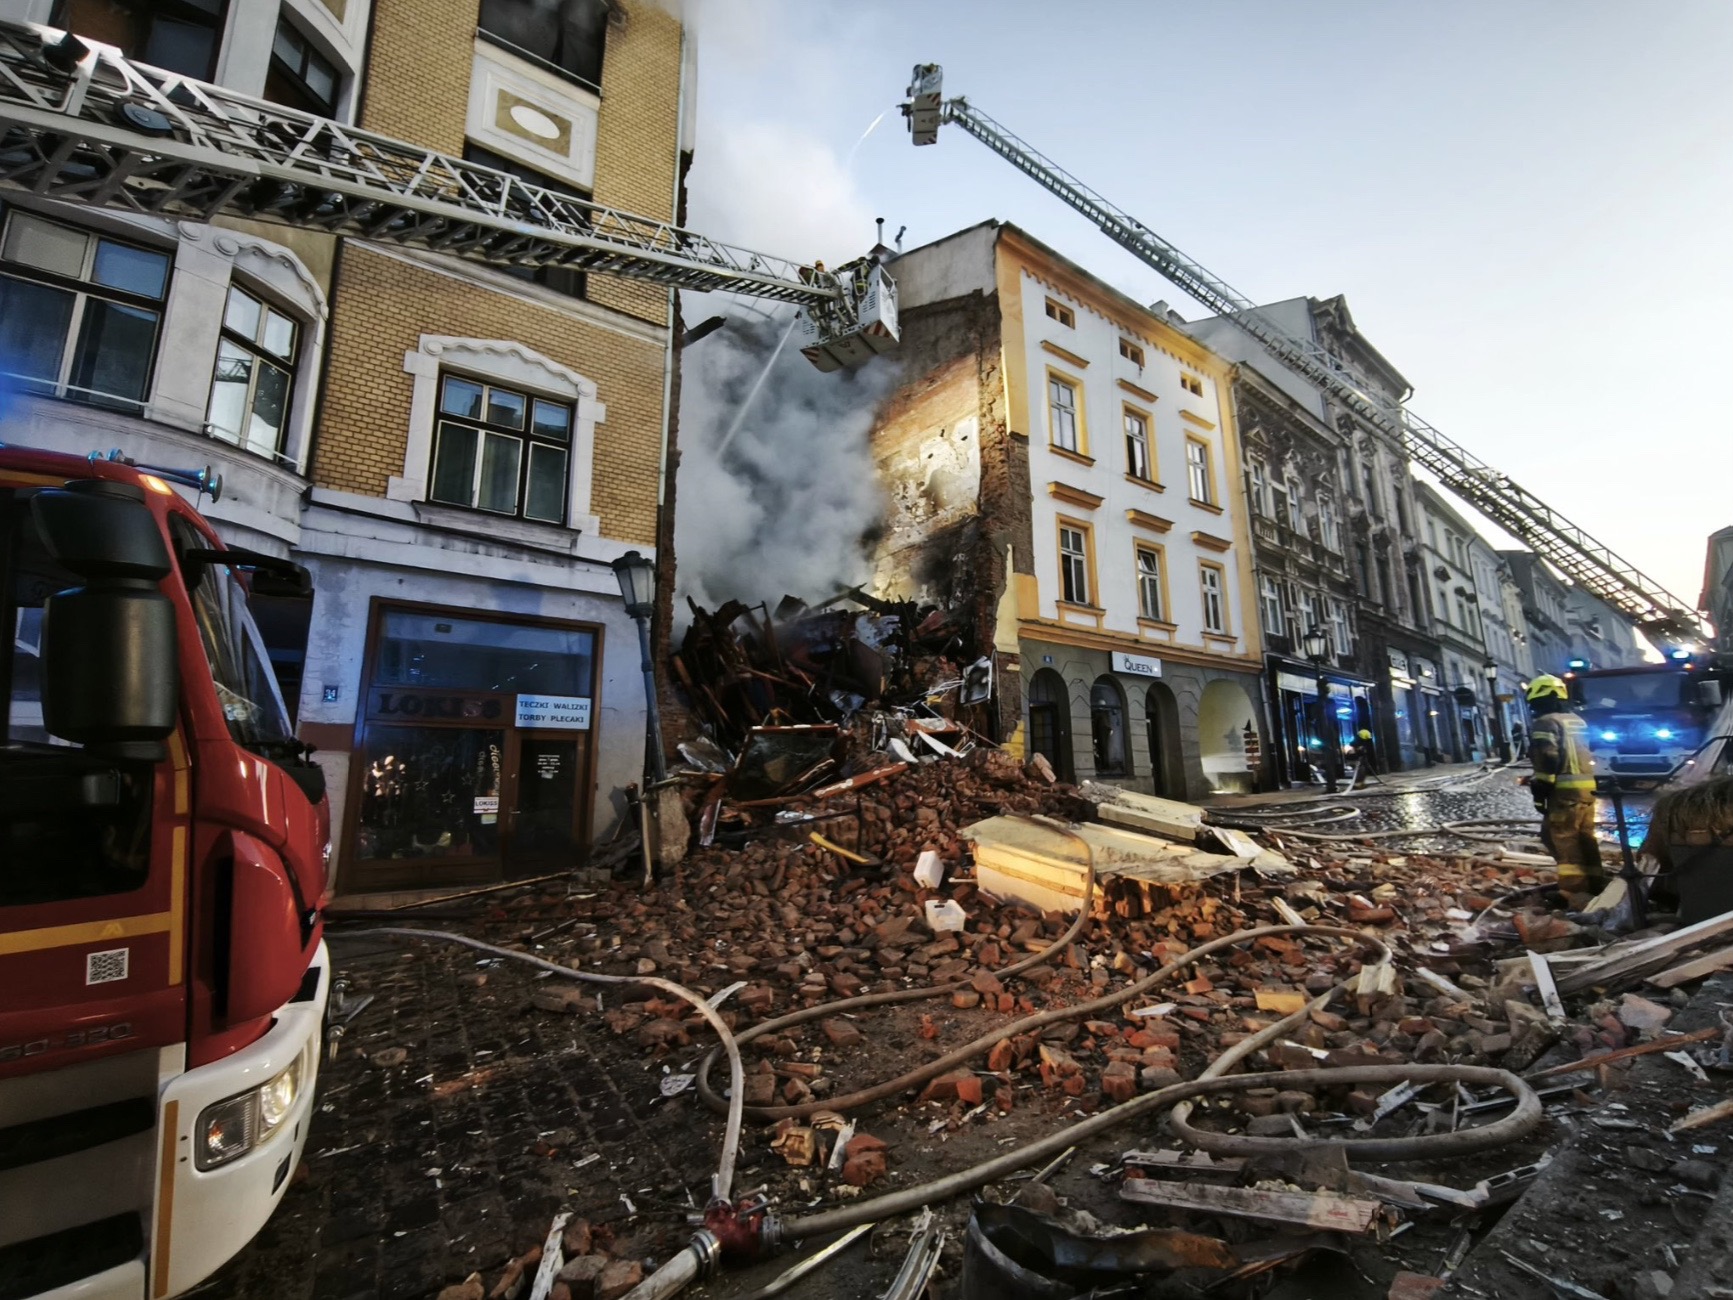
x,y
163,835
163,840
1652,723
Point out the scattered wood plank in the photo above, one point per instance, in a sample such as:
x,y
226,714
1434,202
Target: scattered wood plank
x,y
1165,817
1308,1209
552,1259
1377,980
1645,957
1286,911
1696,968
1190,1162
1702,1118
1286,1001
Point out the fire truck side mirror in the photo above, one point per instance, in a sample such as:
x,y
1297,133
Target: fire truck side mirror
x,y
111,678
1710,694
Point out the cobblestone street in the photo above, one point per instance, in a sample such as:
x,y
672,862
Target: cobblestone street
x,y
420,1172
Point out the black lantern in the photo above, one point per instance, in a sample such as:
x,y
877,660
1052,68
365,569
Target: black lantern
x,y
637,578
1491,671
1317,643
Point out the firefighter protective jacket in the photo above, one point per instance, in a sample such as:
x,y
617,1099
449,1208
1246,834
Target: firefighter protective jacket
x,y
1558,745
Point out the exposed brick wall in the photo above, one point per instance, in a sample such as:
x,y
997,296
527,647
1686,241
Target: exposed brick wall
x,y
383,307
418,71
950,360
418,90
637,139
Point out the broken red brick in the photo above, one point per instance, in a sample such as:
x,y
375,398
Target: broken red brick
x,y
1119,1081
842,1033
947,1086
863,1168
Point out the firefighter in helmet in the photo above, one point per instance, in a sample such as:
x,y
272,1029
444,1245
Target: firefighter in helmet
x,y
1564,788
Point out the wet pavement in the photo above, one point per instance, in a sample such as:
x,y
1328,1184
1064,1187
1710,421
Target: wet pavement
x,y
1430,798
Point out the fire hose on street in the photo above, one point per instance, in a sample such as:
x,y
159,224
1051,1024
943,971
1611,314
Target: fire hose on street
x,y
748,1231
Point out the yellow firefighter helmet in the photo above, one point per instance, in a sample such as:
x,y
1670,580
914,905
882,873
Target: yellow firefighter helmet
x,y
1547,687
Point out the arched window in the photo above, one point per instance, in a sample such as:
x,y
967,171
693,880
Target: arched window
x,y
1050,721
1107,728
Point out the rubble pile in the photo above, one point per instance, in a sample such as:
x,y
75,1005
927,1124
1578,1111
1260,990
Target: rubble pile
x,y
888,899
743,666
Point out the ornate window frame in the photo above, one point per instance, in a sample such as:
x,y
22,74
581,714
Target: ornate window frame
x,y
505,362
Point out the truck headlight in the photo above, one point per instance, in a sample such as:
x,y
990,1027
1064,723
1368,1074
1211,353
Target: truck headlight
x,y
234,1126
277,1096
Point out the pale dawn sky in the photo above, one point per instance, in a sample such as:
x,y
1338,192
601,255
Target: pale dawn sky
x,y
1528,205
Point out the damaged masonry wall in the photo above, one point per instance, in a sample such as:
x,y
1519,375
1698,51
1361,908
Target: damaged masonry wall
x,y
955,478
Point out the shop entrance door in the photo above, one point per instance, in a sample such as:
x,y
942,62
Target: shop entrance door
x,y
546,818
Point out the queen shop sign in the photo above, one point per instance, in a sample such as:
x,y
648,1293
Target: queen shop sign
x,y
554,712
1136,665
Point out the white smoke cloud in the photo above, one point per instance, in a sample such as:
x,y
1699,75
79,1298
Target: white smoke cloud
x,y
772,187
786,507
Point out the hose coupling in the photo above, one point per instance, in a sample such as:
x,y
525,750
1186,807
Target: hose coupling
x,y
707,1248
744,1230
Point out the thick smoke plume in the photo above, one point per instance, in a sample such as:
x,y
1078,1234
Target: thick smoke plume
x,y
789,506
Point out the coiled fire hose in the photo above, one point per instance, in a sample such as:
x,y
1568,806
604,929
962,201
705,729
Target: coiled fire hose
x,y
765,1233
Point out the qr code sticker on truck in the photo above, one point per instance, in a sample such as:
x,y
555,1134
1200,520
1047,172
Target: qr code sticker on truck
x,y
106,967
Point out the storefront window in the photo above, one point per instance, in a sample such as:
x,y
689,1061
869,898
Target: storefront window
x,y
1408,711
1107,724
440,652
430,792
476,757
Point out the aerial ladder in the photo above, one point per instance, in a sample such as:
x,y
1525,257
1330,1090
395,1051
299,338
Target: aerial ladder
x,y
1590,564
81,123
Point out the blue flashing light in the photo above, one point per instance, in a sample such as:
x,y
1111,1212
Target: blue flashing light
x,y
1343,713
1316,743
1578,665
1679,653
1663,733
1609,735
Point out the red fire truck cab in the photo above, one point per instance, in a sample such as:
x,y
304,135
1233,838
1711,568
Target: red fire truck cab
x,y
163,846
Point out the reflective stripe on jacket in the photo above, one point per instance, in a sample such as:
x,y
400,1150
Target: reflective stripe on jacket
x,y
1559,748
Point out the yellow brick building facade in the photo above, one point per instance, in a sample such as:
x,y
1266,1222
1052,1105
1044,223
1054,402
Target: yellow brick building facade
x,y
471,678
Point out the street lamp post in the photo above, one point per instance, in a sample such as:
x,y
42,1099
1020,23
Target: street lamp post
x,y
1491,671
1318,650
637,578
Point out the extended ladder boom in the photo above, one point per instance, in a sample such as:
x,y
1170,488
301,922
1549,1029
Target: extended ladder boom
x,y
1595,567
79,122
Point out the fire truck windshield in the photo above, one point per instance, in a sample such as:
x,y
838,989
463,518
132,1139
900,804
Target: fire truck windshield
x,y
240,664
1634,692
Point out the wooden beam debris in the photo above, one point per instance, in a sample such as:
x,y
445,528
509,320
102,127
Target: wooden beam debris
x,y
1696,968
1307,1209
1543,981
1640,959
1626,1053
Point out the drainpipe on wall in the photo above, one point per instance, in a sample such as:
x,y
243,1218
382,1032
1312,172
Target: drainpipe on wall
x,y
662,618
